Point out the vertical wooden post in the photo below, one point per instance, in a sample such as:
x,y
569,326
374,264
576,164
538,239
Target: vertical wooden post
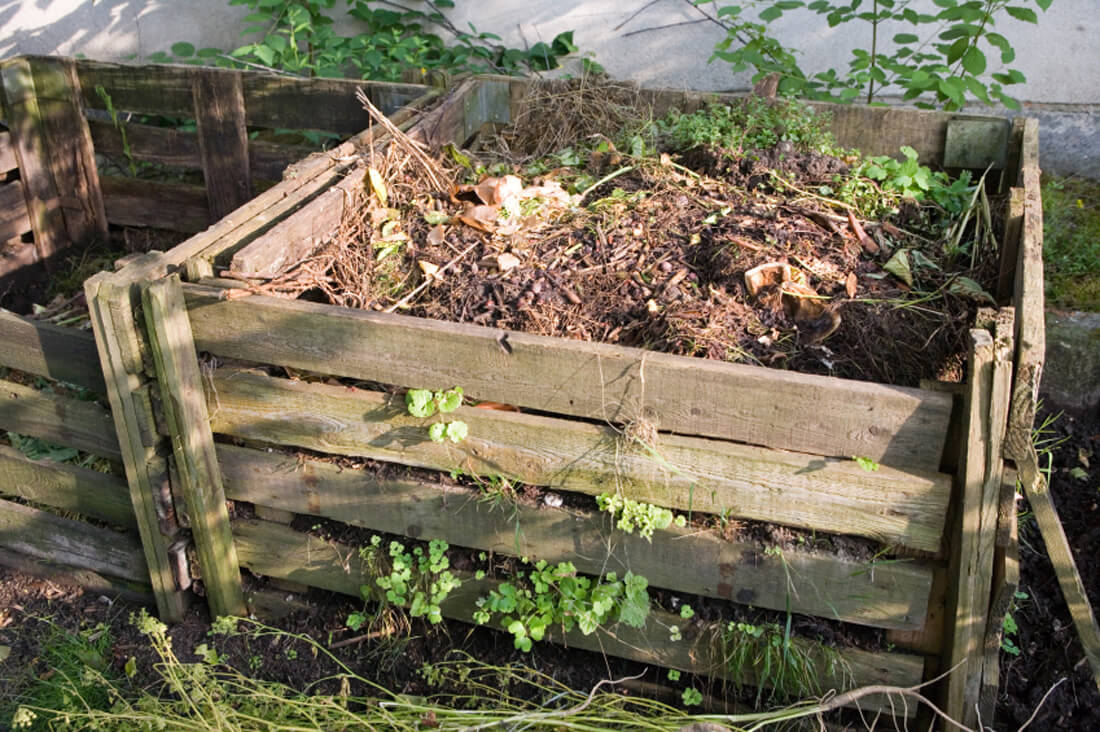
x,y
111,302
967,603
184,405
53,144
223,139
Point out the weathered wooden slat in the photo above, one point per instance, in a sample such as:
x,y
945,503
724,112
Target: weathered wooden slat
x,y
1006,580
320,104
271,101
278,551
684,473
681,559
135,592
44,349
58,419
71,543
1028,292
14,220
8,161
967,599
175,206
815,414
1010,249
185,413
296,237
68,487
54,150
109,300
223,140
170,147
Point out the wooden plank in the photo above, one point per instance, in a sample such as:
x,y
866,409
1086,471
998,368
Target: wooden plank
x,y
44,349
296,237
278,551
68,487
680,559
8,160
967,600
894,426
14,219
310,175
684,473
1010,249
54,150
58,419
193,443
176,149
71,543
146,474
1006,580
223,139
175,206
1061,556
320,104
271,100
135,592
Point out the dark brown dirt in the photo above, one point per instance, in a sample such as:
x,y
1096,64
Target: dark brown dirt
x,y
1050,651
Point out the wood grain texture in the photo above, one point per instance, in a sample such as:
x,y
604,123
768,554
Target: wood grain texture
x,y
8,161
44,349
271,100
967,599
1006,580
296,237
14,219
223,139
684,473
43,535
68,487
110,301
174,206
680,559
278,551
135,592
895,426
58,419
176,149
200,479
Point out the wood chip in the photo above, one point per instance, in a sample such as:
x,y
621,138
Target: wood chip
x,y
506,261
851,285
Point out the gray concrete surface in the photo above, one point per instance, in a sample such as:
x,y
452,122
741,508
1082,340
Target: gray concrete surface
x,y
656,43
1071,376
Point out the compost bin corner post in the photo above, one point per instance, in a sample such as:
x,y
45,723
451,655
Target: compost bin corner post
x,y
44,108
111,302
184,407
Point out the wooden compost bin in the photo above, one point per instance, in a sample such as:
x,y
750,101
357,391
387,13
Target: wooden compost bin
x,y
738,440
54,201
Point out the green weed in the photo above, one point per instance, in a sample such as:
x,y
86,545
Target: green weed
x,y
1071,242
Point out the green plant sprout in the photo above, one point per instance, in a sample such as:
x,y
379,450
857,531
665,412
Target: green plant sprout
x,y
868,464
631,515
692,697
419,580
1009,627
424,403
555,595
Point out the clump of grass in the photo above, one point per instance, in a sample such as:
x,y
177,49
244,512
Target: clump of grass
x,y
1071,242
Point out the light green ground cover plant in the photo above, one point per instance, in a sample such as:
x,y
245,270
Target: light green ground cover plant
x,y
547,596
424,403
935,56
637,516
418,579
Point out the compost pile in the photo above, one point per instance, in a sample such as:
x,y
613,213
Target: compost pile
x,y
736,234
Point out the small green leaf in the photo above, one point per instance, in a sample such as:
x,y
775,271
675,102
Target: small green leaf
x,y
974,61
130,668
449,400
1079,473
419,403
457,431
673,675
770,14
1020,13
437,432
183,49
968,288
435,218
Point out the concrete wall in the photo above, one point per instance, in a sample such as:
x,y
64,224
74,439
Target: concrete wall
x,y
660,43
